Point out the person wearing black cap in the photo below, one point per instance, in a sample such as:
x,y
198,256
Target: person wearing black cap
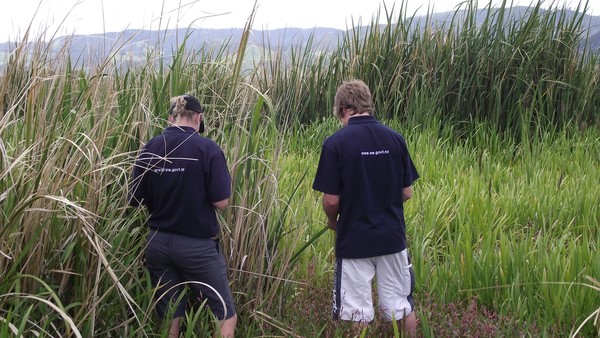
x,y
182,178
365,173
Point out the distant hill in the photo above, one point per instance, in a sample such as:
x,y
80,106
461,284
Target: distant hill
x,y
589,23
136,44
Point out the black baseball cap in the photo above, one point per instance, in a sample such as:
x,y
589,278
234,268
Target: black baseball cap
x,y
191,103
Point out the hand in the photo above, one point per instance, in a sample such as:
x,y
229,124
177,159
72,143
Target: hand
x,y
332,223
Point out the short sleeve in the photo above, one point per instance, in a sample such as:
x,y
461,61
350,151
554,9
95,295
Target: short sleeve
x,y
410,171
219,180
327,178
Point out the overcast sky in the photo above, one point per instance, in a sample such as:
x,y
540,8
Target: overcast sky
x,y
97,16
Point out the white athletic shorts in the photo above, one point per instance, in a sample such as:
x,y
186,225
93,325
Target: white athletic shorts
x,y
352,294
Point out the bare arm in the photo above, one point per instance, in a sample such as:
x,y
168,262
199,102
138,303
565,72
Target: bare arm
x,y
407,193
331,206
220,205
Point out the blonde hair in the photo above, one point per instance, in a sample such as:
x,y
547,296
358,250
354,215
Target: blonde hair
x,y
178,107
354,95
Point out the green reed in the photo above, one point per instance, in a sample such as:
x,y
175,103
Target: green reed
x,y
521,73
514,226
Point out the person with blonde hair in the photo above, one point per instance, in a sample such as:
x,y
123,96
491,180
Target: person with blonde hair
x,y
182,178
365,173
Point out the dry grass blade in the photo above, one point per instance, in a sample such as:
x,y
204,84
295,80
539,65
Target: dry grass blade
x,y
11,326
71,325
261,316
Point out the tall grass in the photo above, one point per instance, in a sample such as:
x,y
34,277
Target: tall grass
x,y
511,221
520,73
513,226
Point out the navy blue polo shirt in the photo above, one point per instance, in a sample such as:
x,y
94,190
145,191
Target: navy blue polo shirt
x,y
177,176
367,164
